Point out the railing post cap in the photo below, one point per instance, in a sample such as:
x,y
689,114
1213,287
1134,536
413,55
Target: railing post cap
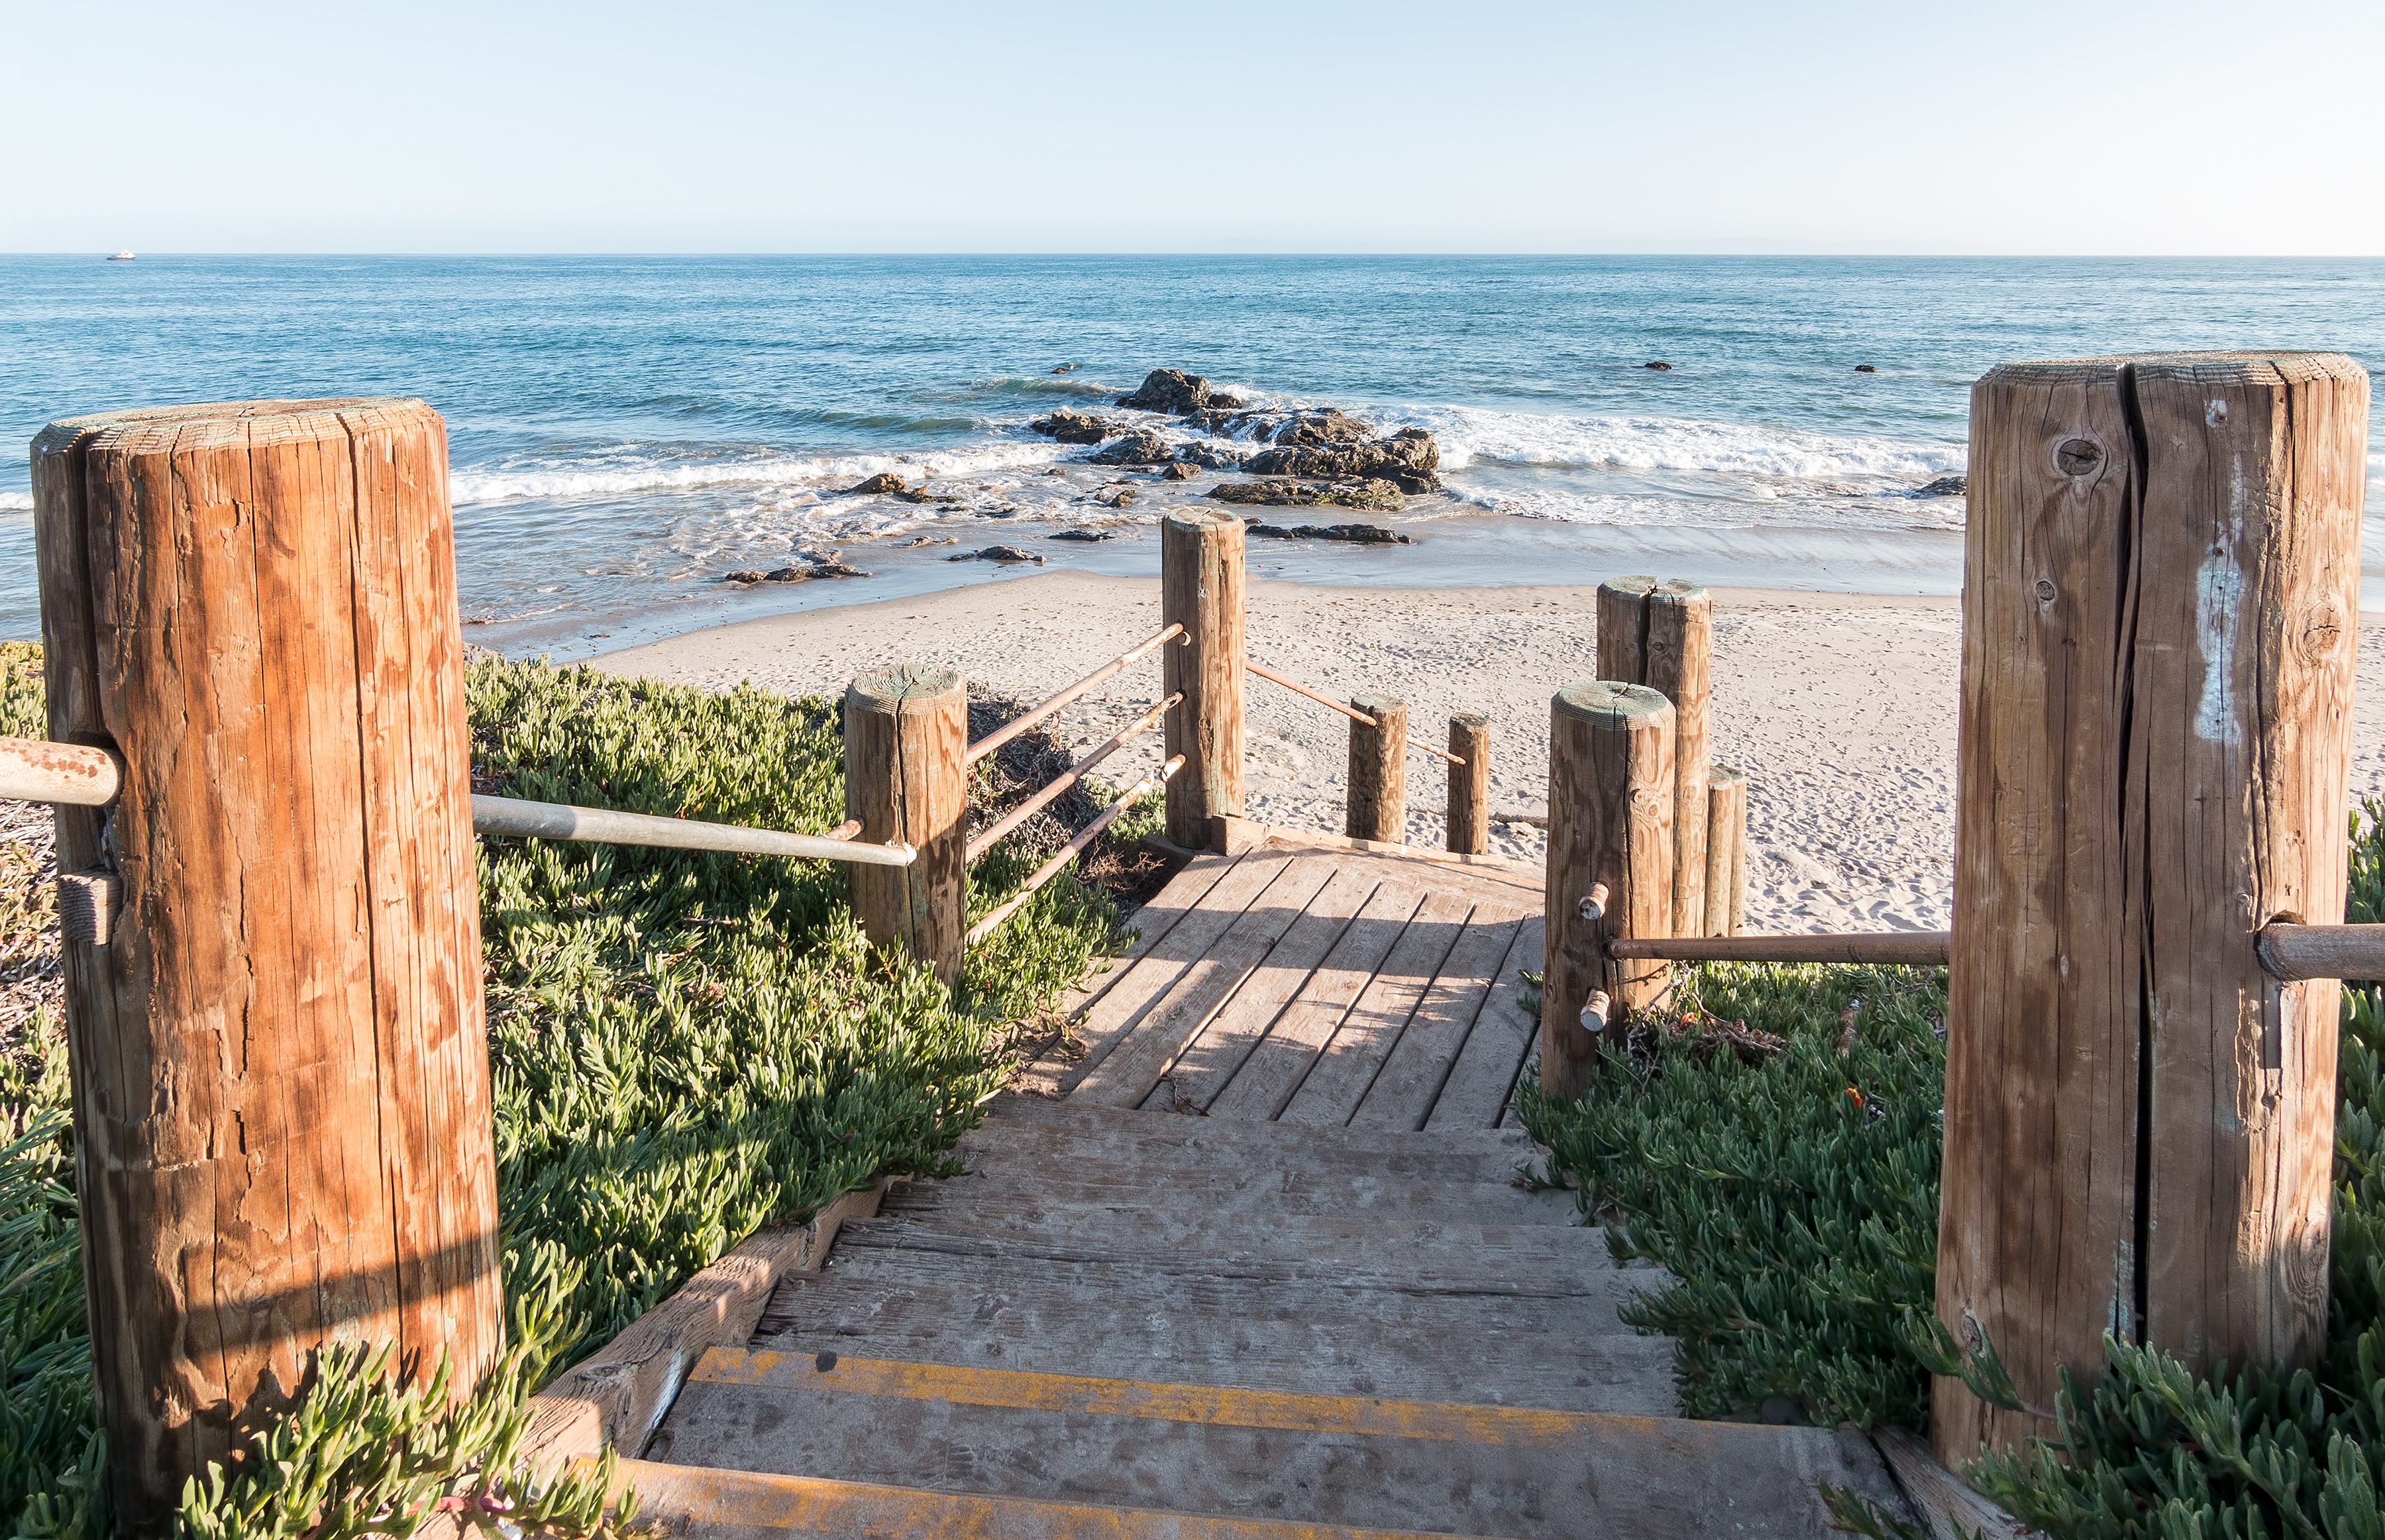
x,y
895,682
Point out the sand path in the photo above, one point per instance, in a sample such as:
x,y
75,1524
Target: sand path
x,y
1840,708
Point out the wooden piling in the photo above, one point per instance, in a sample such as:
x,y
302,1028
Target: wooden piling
x,y
905,731
1726,894
2160,603
1469,784
279,1058
1661,635
1201,589
1611,789
1376,805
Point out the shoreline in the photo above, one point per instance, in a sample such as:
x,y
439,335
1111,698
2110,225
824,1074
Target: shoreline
x,y
1841,707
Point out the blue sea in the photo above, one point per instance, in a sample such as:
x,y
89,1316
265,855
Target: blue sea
x,y
627,431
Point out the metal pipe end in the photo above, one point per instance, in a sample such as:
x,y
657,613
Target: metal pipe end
x,y
88,904
1595,1010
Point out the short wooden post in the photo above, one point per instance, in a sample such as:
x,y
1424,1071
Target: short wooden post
x,y
1610,822
1661,635
2160,604
1377,805
280,1061
1201,589
1469,785
1726,894
906,730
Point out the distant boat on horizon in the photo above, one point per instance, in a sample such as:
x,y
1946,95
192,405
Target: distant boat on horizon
x,y
122,257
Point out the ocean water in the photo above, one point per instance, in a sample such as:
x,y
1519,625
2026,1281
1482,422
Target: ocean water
x,y
625,431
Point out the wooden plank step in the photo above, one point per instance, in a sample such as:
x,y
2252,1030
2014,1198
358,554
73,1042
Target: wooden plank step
x,y
1345,1462
1351,1060
1126,1074
1532,1259
1403,1094
1476,1094
1129,1141
1125,1321
1252,1196
705,1504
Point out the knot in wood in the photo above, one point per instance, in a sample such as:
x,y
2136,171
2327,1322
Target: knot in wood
x,y
2079,456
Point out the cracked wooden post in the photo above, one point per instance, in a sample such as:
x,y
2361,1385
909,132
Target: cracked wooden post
x,y
2159,613
1376,805
905,731
1201,589
1726,894
1610,820
1661,635
279,1059
1469,785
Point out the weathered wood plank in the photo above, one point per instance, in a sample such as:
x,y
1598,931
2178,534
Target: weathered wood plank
x,y
1338,1081
1206,1065
1124,1003
1281,1060
1126,1074
1253,1193
1329,1460
1403,1095
1484,1077
1152,923
1081,1131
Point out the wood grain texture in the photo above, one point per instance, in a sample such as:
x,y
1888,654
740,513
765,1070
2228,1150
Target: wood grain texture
x,y
1679,666
1201,589
1623,628
1483,1080
1403,1094
280,1066
1340,1079
1726,893
1611,790
905,730
1375,805
2161,561
1469,785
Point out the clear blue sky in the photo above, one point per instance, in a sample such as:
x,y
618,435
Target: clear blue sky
x,y
2033,126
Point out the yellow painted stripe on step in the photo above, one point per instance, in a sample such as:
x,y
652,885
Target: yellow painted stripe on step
x,y
701,1500
1171,1403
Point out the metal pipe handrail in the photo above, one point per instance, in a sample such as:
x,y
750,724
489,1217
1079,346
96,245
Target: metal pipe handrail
x,y
1353,713
2290,951
528,820
1067,852
985,839
1106,672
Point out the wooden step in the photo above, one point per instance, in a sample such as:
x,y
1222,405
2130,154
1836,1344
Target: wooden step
x,y
1343,1463
1074,1138
1252,1196
1126,1322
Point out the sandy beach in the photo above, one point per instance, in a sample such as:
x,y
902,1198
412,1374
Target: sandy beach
x,y
1840,708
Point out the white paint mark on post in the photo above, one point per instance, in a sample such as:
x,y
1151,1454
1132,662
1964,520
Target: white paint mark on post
x,y
2219,592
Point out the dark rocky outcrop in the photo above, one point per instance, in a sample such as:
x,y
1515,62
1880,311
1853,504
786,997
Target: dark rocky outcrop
x,y
1179,470
884,484
1213,456
1074,428
1408,459
831,565
1140,446
1082,535
1066,368
1173,391
1867,368
997,553
921,494
1657,364
1333,426
1283,492
1945,485
1357,534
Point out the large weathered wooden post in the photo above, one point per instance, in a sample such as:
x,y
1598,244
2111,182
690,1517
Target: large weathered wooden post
x,y
1661,635
906,733
1610,824
1469,784
280,1065
2160,602
1377,803
1201,589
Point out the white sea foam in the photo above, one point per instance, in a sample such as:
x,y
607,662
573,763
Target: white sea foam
x,y
616,473
1471,435
1645,510
15,502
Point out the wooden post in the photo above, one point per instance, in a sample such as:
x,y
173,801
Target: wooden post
x,y
280,1061
1469,785
905,730
1726,894
1376,805
2160,603
1611,792
1661,635
1201,589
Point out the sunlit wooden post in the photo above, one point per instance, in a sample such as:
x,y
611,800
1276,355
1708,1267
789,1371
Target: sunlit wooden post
x,y
905,731
2160,604
1661,635
280,1065
1201,589
1376,805
1469,784
1611,829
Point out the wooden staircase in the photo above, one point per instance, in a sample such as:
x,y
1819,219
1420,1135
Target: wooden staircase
x,y
1128,1323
